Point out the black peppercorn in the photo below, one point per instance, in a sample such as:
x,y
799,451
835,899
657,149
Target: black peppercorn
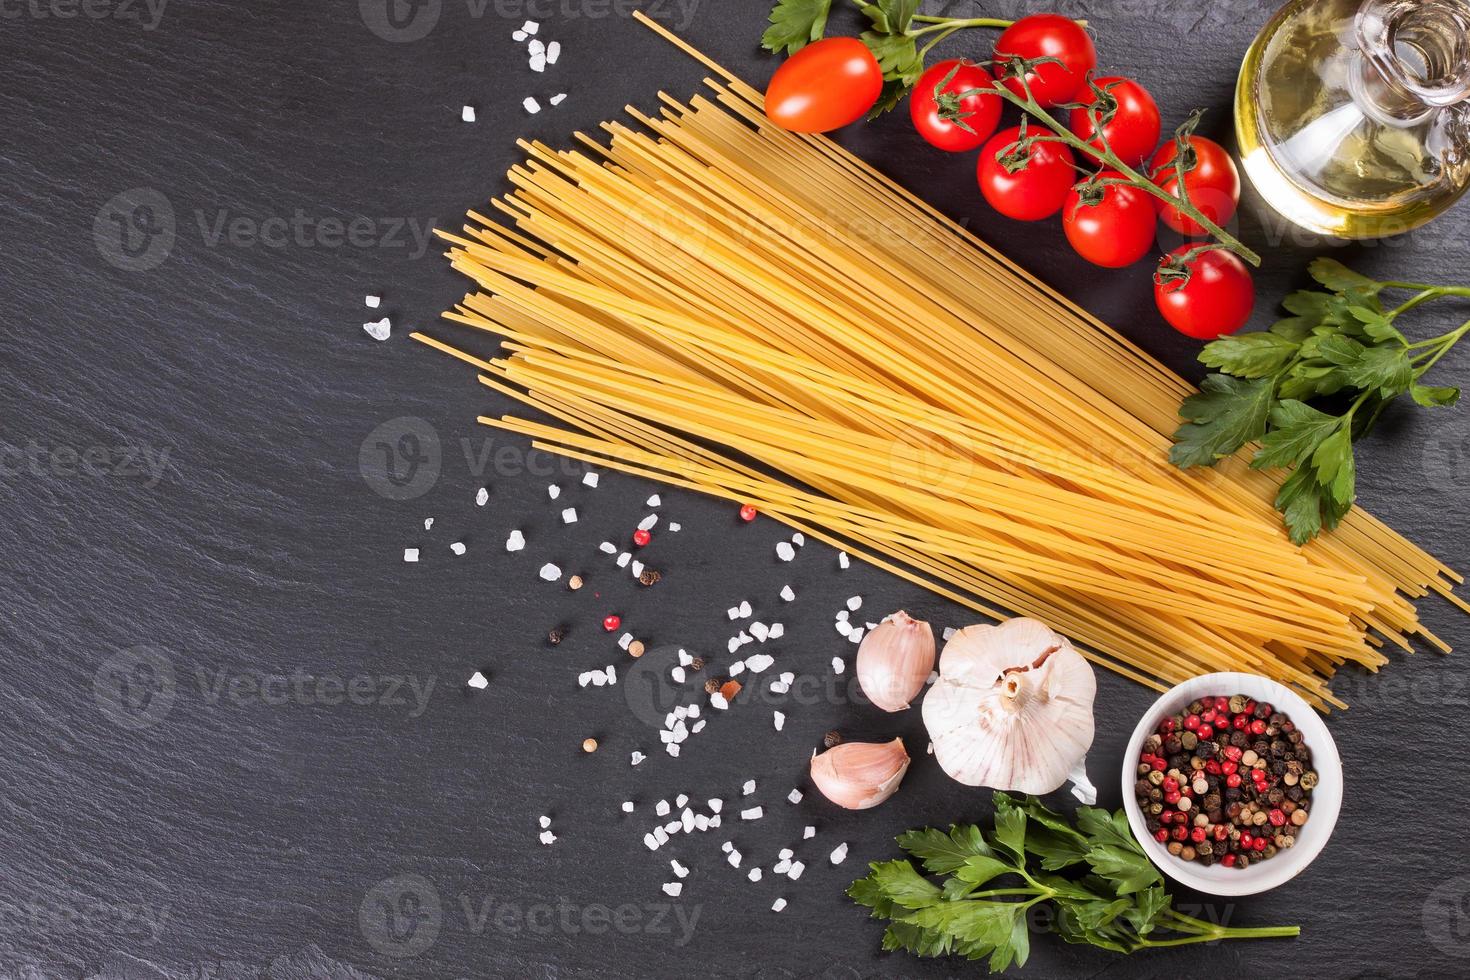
x,y
556,635
1172,744
832,738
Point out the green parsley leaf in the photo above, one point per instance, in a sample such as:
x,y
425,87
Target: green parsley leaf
x,y
1147,905
1333,462
1010,832
1433,396
1297,430
1128,870
1249,355
891,16
795,24
1340,279
943,852
904,886
1300,503
1225,415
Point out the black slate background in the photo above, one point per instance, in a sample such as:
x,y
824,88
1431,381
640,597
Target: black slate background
x,y
204,834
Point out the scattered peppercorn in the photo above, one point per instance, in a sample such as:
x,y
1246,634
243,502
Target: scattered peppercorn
x,y
641,537
611,622
747,513
648,577
832,738
556,636
574,583
712,685
1227,781
697,663
635,649
589,745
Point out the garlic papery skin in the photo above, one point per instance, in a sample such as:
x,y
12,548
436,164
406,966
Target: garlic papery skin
x,y
894,661
859,775
1012,708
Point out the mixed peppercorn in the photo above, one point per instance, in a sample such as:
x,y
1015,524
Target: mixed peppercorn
x,y
1230,781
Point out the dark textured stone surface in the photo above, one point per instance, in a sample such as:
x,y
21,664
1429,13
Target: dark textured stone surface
x,y
250,835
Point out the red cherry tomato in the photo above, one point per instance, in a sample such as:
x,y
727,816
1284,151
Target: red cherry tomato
x,y
1213,185
1217,299
1133,128
942,110
1116,231
824,86
1034,191
1048,36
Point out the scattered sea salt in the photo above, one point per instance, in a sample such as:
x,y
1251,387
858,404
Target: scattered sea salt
x,y
788,678
678,675
608,548
755,874
794,796
372,301
842,560
681,799
537,46
778,905
718,700
518,35
661,808
855,603
675,526
745,608
589,480
650,842
545,821
553,51
547,837
855,636
638,757
782,866
648,522
379,329
655,500
734,858
410,555
627,806
685,659
778,719
796,869
728,846
482,497
839,854
949,631
753,813
531,105
784,551
457,547
477,681
778,630
748,788
569,515
558,98
467,113
515,542
553,491
530,27
787,593
837,665
625,640
809,832
679,870
550,572
758,662
737,668
715,805
623,559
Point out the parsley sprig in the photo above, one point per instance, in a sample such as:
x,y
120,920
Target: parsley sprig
x,y
1103,888
1340,346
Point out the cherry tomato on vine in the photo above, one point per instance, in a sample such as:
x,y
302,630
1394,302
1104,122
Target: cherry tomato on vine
x,y
1130,123
947,109
1117,229
1038,185
1215,300
1048,36
1213,185
824,86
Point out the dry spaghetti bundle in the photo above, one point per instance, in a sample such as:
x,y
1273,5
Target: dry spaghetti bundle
x,y
728,307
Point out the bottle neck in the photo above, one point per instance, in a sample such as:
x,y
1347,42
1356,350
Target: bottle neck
x,y
1416,56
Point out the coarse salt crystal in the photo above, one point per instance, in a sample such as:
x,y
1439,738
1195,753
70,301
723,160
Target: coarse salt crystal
x,y
410,555
809,832
785,552
734,858
694,711
777,687
650,842
748,788
673,888
531,105
686,819
569,515
855,603
837,665
714,821
755,874
737,668
842,560
728,846
515,542
482,497
732,644
787,593
477,680
655,500
545,821
518,35
839,853
796,869
607,548
758,662
536,46
550,572
457,547
855,636
785,854
781,867
794,796
627,806
467,114
760,631
949,632
660,835
611,673
733,612
684,658
745,608
553,491
547,837
638,757
843,616
625,641
681,799
558,98
778,905
538,62
778,719
530,27
678,675
844,627
372,301
787,678
798,539
553,51
379,329
752,813
661,808
589,480
648,522
675,526
599,679
584,678
679,870
623,559
717,700
636,568
778,630
701,822
673,749
715,805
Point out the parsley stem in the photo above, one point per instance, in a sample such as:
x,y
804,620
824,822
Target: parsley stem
x,y
924,51
956,23
1447,341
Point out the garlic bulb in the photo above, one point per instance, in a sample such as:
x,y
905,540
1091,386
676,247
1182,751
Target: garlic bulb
x,y
859,775
894,661
1012,709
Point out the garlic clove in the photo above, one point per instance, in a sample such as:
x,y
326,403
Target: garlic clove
x,y
859,775
894,661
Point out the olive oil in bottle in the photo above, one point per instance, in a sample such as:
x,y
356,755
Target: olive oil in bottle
x,y
1354,117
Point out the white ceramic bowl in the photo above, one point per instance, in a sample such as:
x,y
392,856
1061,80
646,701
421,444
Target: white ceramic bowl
x,y
1326,797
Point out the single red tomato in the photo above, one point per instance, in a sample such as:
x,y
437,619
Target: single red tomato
x,y
1048,36
1037,186
1114,231
952,107
1217,298
1213,185
1130,122
824,86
